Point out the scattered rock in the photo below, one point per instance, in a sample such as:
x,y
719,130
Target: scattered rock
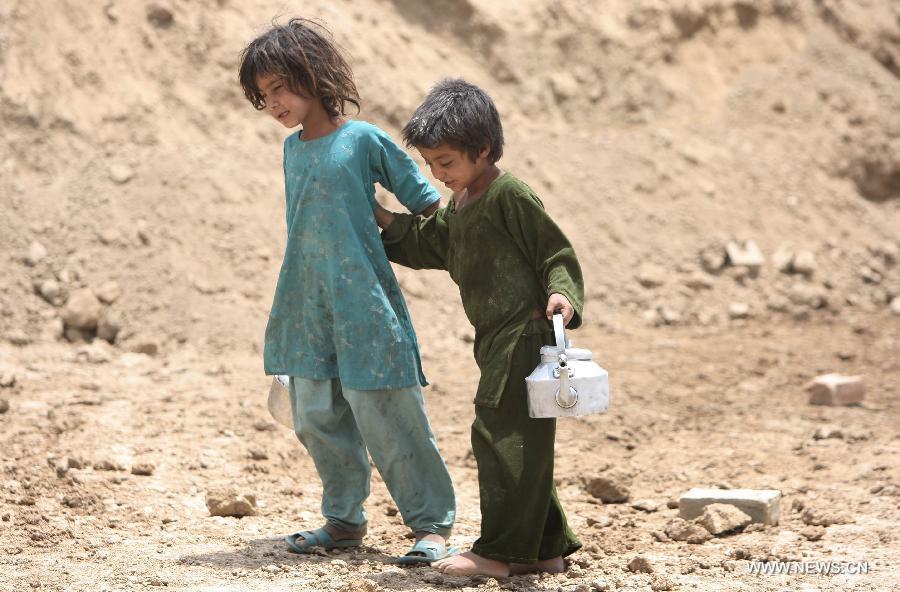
x,y
228,502
747,255
7,377
82,310
645,505
97,352
651,276
4,406
611,488
108,465
719,519
813,533
782,260
712,259
120,173
18,337
739,310
144,469
145,346
36,253
836,389
697,281
109,292
361,585
109,326
895,305
762,505
640,564
160,16
258,454
51,291
682,530
817,517
661,583
804,263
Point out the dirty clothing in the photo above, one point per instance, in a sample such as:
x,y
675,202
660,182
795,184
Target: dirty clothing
x,y
338,311
338,425
507,256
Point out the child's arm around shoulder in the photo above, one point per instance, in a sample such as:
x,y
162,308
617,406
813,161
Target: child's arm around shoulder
x,y
546,247
397,172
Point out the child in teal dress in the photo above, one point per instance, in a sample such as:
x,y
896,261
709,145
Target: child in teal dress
x,y
339,326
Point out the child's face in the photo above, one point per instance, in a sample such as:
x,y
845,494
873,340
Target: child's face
x,y
286,106
454,168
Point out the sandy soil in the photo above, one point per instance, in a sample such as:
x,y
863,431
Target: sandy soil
x,y
141,232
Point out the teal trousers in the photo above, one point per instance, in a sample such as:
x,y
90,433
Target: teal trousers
x,y
341,427
522,520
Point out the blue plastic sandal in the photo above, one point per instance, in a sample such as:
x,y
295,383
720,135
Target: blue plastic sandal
x,y
426,552
305,541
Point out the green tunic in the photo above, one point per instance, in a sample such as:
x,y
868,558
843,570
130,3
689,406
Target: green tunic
x,y
506,255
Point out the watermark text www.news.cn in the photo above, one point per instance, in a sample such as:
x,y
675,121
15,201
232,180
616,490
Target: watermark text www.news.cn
x,y
808,568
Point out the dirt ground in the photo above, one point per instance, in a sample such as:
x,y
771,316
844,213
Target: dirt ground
x,y
141,232
690,408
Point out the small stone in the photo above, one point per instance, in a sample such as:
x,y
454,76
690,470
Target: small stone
x,y
719,519
258,454
109,326
120,173
433,578
782,260
601,585
36,253
108,465
813,533
51,291
145,469
18,337
895,305
261,425
610,488
817,517
836,389
651,276
7,377
361,585
109,292
679,529
82,310
744,255
697,281
160,16
4,406
645,505
712,260
75,463
228,502
390,511
661,583
145,346
804,263
640,564
739,310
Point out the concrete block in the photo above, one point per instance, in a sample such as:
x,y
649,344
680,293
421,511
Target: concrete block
x,y
762,505
835,389
747,255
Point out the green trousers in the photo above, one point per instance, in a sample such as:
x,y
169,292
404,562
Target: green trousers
x,y
522,520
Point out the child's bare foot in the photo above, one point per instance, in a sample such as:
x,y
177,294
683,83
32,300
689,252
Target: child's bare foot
x,y
555,565
470,564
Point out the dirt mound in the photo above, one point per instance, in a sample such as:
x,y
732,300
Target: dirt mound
x,y
654,131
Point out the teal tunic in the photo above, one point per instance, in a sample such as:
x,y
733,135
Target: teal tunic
x,y
338,311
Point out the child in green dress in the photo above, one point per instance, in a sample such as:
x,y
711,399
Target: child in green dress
x,y
515,269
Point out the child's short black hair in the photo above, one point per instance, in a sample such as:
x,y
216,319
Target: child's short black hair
x,y
304,56
460,115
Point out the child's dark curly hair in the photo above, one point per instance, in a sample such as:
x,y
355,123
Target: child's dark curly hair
x,y
302,54
460,115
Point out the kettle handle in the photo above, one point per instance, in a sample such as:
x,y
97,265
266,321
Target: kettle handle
x,y
560,330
